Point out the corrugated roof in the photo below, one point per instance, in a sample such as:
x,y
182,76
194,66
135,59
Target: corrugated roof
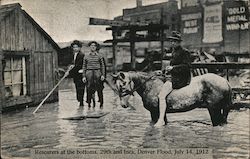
x,y
5,10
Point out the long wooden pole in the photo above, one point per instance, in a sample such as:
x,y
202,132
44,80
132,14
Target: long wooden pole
x,y
65,75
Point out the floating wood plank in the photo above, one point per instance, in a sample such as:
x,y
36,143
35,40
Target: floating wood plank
x,y
81,117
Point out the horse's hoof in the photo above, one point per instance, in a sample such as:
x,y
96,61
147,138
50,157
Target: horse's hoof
x,y
159,124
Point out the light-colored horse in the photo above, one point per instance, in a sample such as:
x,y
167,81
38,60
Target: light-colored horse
x,y
206,91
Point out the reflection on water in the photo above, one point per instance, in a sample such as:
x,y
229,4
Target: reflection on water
x,y
121,128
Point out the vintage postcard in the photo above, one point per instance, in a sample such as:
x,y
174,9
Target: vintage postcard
x,y
125,79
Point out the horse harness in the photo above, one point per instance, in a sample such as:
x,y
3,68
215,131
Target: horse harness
x,y
131,92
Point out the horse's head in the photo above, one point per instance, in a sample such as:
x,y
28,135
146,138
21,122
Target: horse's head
x,y
125,87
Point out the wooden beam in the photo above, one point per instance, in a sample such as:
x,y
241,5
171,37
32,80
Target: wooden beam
x,y
98,21
15,101
16,53
136,39
153,27
114,50
132,49
222,65
246,54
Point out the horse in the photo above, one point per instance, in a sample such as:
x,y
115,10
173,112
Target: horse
x,y
206,91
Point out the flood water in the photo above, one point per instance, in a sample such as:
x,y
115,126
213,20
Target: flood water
x,y
121,128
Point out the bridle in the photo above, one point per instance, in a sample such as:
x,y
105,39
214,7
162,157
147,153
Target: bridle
x,y
131,92
123,93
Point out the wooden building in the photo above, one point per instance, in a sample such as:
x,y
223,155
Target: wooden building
x,y
145,24
28,59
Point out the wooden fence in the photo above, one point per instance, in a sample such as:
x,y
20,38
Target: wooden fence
x,y
245,91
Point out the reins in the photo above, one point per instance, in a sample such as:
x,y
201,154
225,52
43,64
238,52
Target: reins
x,y
128,92
115,91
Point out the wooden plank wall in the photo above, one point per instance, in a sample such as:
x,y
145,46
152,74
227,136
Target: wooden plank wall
x,y
1,82
17,34
41,86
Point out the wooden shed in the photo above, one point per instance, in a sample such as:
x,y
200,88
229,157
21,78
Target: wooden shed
x,y
28,59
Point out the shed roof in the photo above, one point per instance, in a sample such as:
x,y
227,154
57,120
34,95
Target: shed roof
x,y
6,10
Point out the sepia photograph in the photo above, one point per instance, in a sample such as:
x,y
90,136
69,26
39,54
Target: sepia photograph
x,y
125,79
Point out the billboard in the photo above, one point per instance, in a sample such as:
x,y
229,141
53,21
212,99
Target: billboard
x,y
237,15
212,21
191,22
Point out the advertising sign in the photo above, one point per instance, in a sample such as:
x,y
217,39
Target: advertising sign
x,y
212,24
189,3
190,22
237,18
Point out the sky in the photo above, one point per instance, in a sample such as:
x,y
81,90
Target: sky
x,y
67,20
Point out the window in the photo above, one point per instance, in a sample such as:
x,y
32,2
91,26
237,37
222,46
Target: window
x,y
15,76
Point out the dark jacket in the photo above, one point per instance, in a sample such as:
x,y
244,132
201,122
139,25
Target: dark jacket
x,y
180,74
78,65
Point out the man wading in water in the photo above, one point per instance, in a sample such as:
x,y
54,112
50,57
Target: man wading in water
x,y
179,70
75,70
94,73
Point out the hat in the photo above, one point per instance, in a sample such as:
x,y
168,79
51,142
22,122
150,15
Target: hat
x,y
76,42
175,36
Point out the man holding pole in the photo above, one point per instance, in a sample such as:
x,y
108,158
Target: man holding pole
x,y
75,71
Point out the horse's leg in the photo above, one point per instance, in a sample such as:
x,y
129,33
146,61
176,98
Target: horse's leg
x,y
154,115
165,118
165,90
227,104
224,115
93,99
216,116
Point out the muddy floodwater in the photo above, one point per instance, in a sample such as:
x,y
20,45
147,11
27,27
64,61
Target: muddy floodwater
x,y
22,131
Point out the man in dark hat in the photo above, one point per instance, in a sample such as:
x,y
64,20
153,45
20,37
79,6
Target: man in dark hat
x,y
94,73
76,72
179,69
